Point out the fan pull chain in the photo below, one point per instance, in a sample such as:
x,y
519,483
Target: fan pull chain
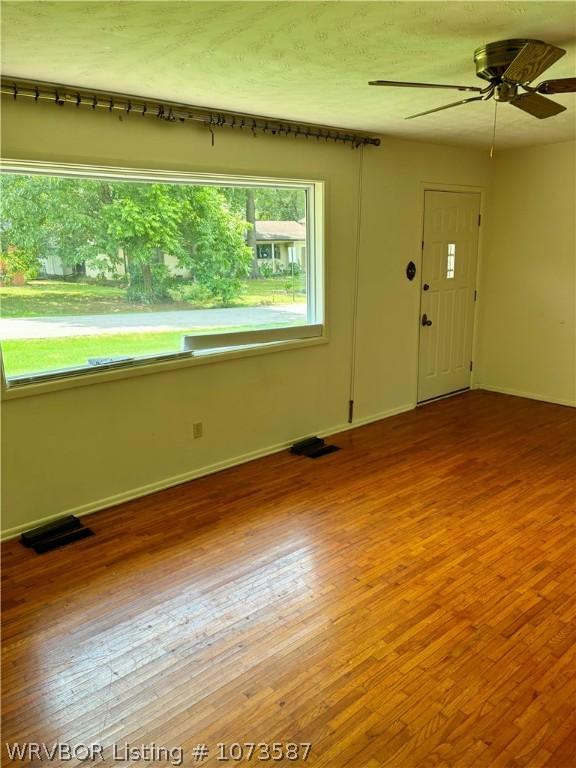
x,y
494,130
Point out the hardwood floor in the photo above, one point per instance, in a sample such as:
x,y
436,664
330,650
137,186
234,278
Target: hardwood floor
x,y
409,601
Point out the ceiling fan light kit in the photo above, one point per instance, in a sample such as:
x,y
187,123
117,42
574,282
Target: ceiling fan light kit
x,y
507,66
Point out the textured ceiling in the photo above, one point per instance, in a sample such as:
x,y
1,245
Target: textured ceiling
x,y
307,61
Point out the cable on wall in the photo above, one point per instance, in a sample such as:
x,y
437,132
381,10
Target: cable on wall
x,y
356,287
125,105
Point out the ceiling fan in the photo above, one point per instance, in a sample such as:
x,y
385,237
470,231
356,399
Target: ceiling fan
x,y
508,65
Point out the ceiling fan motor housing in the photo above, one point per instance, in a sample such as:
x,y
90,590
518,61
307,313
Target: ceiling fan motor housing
x,y
493,59
505,92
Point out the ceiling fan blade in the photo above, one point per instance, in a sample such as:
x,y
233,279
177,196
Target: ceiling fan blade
x,y
564,85
532,60
401,84
446,106
538,106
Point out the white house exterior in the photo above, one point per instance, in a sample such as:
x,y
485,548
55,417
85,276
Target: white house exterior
x,y
281,243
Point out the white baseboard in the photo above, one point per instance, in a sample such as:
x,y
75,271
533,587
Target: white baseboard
x,y
529,395
145,490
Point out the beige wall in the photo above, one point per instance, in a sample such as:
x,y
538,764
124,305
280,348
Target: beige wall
x,y
388,304
527,340
84,448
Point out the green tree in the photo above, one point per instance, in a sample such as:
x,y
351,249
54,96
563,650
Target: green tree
x,y
104,224
280,204
251,233
214,242
34,209
271,203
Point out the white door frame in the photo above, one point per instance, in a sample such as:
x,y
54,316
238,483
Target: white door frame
x,y
428,186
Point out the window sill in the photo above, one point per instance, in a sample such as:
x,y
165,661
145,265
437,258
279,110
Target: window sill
x,y
86,379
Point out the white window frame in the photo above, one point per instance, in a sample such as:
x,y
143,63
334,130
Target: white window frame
x,y
260,342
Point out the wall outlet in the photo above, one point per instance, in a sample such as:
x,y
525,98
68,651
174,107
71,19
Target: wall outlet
x,y
197,430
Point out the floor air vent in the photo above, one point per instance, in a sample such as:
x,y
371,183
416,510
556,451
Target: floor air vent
x,y
56,534
313,448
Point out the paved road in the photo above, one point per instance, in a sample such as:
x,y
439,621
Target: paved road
x,y
132,322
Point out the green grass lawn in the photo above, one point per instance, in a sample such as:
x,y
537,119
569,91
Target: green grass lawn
x,y
41,298
57,297
39,355
24,356
273,290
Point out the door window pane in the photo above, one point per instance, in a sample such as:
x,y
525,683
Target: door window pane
x,y
451,261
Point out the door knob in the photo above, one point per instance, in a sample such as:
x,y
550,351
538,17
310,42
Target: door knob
x,y
425,320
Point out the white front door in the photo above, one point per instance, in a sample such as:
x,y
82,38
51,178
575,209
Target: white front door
x,y
449,254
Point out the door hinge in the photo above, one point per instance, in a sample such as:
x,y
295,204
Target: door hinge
x,y
471,365
475,295
350,411
422,244
479,219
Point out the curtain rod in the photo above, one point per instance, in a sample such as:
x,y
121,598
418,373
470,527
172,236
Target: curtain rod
x,y
174,112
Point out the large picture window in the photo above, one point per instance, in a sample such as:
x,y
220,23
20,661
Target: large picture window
x,y
105,269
